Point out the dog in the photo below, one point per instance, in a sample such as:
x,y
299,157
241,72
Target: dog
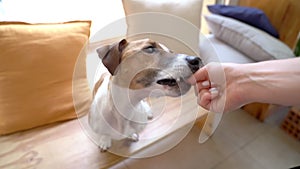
x,y
136,70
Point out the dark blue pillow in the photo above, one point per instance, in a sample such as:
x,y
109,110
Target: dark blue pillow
x,y
251,16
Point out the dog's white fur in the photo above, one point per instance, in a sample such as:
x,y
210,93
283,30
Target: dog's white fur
x,y
107,120
119,109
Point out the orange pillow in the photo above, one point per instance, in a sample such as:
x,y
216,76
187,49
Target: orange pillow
x,y
37,62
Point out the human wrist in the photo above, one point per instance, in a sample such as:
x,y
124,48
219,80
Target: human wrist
x,y
238,83
252,82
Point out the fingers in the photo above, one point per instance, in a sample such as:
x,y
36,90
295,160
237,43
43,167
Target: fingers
x,y
200,75
201,80
214,93
206,96
200,86
204,85
205,89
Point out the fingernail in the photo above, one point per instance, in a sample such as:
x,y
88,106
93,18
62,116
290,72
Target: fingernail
x,y
214,92
205,84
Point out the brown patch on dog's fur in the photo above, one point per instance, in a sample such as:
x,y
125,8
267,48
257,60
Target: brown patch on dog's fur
x,y
133,48
143,79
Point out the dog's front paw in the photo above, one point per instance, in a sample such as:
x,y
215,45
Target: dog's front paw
x,y
149,115
134,137
104,143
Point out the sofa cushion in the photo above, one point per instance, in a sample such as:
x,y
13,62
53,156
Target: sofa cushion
x,y
215,50
173,23
36,73
252,16
249,40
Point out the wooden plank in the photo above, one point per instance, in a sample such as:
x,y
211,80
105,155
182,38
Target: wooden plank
x,y
258,110
66,145
60,145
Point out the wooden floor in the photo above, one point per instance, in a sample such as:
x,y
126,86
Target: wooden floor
x,y
69,145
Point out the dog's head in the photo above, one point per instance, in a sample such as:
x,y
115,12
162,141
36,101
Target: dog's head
x,y
146,64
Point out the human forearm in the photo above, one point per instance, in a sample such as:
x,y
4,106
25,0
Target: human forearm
x,y
276,82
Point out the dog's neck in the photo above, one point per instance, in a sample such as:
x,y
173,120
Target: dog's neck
x,y
126,95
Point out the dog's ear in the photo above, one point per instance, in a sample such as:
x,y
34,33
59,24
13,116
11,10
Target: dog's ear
x,y
111,55
122,45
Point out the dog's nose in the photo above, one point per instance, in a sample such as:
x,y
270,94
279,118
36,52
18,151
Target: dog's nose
x,y
194,63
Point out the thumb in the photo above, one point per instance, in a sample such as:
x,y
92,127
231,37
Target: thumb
x,y
200,75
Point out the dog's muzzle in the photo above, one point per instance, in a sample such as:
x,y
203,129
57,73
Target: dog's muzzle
x,y
193,62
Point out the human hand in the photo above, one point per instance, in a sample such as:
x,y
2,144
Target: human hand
x,y
216,86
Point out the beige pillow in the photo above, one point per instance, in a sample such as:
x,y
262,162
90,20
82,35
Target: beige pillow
x,y
256,44
36,73
172,22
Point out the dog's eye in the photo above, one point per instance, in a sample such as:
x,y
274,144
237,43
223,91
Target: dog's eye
x,y
149,49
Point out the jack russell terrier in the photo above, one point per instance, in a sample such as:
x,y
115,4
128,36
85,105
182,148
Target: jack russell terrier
x,y
137,70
